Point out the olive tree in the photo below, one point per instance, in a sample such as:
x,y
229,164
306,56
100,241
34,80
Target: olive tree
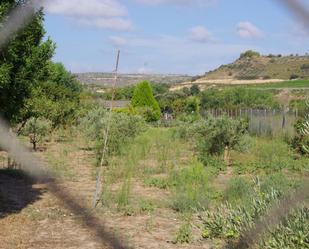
x,y
36,129
217,136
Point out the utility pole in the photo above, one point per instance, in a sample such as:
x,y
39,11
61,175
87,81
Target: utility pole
x,y
99,179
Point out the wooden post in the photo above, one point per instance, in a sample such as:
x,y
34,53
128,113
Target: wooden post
x,y
283,119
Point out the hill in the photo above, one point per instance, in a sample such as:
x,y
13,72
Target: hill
x,y
107,79
253,66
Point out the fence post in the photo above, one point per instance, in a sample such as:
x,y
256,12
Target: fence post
x,y
283,119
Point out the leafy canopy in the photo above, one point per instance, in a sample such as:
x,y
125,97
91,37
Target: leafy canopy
x,y
23,63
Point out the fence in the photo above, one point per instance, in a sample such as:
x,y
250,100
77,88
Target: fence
x,y
272,122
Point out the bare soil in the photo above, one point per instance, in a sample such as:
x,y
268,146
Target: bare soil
x,y
32,218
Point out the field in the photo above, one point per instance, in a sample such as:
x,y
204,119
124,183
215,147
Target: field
x,y
294,84
157,192
220,161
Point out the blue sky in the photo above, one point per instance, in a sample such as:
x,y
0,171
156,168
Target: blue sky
x,y
168,36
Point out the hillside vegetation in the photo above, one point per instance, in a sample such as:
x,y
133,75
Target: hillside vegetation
x,y
253,66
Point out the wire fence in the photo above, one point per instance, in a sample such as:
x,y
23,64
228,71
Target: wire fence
x,y
263,122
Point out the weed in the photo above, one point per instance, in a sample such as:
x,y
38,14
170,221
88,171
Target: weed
x,y
124,194
146,206
158,182
191,191
239,191
184,234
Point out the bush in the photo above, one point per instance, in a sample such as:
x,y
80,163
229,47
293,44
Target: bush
x,y
145,102
123,128
301,140
36,129
219,135
192,105
228,222
294,76
292,233
249,54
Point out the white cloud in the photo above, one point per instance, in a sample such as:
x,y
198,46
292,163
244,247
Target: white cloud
x,y
248,30
107,14
118,41
200,34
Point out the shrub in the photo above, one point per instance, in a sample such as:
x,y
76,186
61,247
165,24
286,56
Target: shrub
x,y
294,76
249,54
192,105
292,233
143,98
228,222
301,140
36,129
219,135
122,128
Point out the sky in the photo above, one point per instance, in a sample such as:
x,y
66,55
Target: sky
x,y
169,36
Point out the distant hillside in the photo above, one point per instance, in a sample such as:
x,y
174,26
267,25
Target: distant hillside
x,y
253,66
106,79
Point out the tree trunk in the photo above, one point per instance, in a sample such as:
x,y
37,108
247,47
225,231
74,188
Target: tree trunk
x,y
34,145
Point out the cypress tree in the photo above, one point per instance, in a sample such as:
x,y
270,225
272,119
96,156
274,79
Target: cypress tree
x,y
145,103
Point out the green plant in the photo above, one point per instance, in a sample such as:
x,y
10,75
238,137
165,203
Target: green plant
x,y
37,129
145,102
239,191
147,206
184,234
292,233
219,135
228,221
122,129
158,182
249,54
191,188
192,105
301,140
123,197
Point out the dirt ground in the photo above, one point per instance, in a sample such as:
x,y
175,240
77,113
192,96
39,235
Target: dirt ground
x,y
33,218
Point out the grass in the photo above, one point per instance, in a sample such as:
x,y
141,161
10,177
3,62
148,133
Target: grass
x,y
283,84
268,155
158,172
192,188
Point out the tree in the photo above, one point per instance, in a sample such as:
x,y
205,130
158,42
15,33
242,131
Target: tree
x,y
23,63
192,105
36,129
218,136
249,54
145,103
56,99
195,90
